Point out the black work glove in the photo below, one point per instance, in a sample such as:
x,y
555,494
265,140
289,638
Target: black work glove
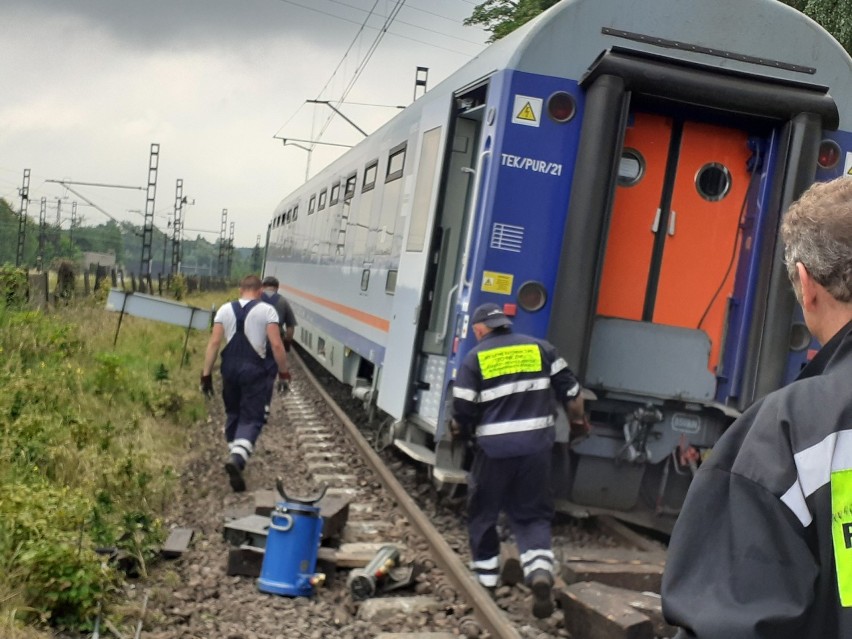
x,y
207,385
283,382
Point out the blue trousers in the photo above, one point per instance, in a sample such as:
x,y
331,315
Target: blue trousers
x,y
520,487
245,392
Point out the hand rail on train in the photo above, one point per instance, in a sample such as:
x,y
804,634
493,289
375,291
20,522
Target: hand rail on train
x,y
474,202
439,338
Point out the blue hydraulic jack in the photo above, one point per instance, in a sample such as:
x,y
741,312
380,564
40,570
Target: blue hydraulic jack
x,y
290,560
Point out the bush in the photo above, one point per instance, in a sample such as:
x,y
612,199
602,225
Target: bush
x,y
14,286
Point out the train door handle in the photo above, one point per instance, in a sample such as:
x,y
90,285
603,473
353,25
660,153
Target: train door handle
x,y
656,225
440,336
672,222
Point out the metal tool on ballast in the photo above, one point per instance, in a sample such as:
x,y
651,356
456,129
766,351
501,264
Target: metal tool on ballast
x,y
382,574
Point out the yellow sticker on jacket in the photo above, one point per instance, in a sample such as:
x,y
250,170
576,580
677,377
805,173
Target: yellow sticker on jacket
x,y
509,360
841,532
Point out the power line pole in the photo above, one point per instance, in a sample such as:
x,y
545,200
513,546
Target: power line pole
x,y
42,224
421,76
230,249
220,265
58,225
255,256
165,244
22,222
148,228
177,226
73,223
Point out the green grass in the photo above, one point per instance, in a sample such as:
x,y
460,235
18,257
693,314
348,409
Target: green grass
x,y
91,442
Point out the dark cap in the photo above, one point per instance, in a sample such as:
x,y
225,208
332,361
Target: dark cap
x,y
269,280
491,315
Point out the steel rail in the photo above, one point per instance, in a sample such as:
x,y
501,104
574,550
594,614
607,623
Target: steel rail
x,y
486,611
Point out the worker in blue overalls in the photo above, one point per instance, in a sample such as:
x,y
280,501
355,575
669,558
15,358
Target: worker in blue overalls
x,y
250,327
504,399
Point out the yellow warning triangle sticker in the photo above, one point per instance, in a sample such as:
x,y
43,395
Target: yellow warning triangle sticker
x,y
849,172
526,113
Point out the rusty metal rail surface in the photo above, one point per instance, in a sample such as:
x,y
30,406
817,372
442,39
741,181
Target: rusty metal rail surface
x,y
486,611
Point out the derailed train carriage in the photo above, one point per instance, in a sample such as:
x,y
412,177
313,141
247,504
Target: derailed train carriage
x,y
613,174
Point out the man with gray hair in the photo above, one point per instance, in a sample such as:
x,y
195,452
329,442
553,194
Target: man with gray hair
x,y
763,545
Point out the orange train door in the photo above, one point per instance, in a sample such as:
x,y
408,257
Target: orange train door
x,y
673,236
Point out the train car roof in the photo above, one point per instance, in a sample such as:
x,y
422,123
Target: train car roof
x,y
766,38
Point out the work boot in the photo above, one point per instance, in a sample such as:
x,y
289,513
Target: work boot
x,y
541,584
235,473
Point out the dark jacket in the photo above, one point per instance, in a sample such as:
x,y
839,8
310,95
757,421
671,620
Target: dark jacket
x,y
763,546
505,391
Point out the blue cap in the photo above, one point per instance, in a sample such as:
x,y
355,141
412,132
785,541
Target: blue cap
x,y
491,315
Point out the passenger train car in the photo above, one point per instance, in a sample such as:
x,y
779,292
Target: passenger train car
x,y
613,174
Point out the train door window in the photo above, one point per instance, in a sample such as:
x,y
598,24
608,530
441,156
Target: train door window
x,y
322,197
631,168
390,282
365,279
423,190
349,191
312,205
335,194
713,181
370,176
295,212
396,162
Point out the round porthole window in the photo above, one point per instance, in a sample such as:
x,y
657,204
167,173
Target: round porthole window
x,y
532,296
631,168
713,181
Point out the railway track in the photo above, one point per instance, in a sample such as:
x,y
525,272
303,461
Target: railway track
x,y
311,441
598,549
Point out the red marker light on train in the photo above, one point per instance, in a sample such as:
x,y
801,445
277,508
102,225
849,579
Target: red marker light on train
x,y
561,106
829,154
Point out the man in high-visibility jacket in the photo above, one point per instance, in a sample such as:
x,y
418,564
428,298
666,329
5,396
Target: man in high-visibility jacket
x,y
504,398
762,548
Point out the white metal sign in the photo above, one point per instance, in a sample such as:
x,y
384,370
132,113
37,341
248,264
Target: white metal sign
x,y
526,111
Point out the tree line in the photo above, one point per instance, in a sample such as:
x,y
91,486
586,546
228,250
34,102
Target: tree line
x,y
121,239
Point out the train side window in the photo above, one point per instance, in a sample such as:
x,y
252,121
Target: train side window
x,y
289,216
370,176
713,181
312,205
396,162
322,197
365,279
631,168
349,191
390,282
295,212
335,194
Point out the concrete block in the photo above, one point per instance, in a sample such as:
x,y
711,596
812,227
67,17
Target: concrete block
x,y
592,612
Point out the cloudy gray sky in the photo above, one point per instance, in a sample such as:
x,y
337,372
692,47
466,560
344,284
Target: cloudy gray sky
x,y
88,85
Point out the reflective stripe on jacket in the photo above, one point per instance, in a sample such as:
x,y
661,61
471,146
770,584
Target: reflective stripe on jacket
x,y
763,545
504,393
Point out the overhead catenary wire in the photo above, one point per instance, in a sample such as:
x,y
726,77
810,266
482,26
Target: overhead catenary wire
x,y
367,56
398,35
411,24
